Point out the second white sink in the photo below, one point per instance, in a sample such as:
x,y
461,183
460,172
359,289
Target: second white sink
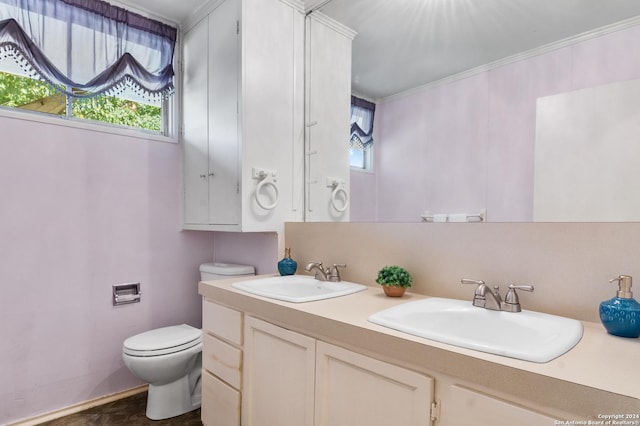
x,y
526,335
297,288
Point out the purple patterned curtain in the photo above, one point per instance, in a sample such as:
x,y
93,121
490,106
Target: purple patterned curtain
x,y
362,114
87,48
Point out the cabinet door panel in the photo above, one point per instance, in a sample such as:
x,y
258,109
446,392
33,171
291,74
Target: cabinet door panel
x,y
224,47
328,67
195,138
270,95
352,389
278,376
466,407
220,402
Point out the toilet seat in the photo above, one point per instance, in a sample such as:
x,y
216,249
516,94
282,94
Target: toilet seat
x,y
163,341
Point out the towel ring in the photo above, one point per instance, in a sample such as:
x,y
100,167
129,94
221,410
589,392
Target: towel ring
x,y
337,189
264,182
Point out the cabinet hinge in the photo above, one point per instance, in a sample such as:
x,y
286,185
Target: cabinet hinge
x,y
435,411
237,27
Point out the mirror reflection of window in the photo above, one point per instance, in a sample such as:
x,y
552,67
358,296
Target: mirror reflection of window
x,y
361,141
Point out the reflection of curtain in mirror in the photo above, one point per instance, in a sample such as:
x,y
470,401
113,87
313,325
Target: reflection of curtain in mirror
x,y
362,114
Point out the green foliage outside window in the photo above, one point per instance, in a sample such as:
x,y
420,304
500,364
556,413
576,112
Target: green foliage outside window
x,y
16,91
25,93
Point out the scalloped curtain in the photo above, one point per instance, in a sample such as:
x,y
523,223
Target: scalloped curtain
x,y
362,114
87,48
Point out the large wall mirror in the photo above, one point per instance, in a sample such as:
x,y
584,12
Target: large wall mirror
x,y
497,106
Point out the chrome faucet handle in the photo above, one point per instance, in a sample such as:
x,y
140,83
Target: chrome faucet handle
x,y
334,273
468,281
511,300
480,289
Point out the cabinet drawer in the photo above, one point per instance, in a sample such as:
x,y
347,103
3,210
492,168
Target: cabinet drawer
x,y
222,359
224,322
220,402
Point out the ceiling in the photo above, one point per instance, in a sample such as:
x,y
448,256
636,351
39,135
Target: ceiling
x,y
402,44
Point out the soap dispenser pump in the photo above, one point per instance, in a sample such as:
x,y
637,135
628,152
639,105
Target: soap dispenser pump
x,y
621,315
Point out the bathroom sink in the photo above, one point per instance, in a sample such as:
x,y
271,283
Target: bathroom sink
x,y
297,288
527,335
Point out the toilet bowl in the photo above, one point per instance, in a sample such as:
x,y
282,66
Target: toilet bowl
x,y
169,359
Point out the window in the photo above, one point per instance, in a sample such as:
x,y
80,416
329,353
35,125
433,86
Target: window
x,y
87,60
361,141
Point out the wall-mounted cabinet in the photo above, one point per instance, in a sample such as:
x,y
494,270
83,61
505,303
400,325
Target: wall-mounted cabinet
x,y
242,114
327,115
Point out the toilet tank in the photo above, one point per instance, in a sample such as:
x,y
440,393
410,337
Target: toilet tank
x,y
217,271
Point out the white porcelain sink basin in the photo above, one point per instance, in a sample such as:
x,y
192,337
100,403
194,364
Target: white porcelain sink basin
x,y
526,335
297,288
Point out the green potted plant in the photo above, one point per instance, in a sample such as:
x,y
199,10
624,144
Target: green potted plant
x,y
394,280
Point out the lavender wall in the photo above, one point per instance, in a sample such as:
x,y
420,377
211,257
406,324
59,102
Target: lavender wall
x,y
81,211
469,144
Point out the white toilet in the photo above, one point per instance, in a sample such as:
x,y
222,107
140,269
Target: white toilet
x,y
169,359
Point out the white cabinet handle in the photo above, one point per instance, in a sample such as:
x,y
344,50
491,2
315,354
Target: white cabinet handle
x,y
265,182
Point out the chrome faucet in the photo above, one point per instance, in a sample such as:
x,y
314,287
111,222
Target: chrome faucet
x,y
325,274
488,298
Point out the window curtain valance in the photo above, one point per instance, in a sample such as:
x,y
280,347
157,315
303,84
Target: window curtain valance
x,y
362,114
88,48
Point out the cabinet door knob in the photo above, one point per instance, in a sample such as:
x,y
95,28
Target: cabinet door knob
x,y
203,176
211,174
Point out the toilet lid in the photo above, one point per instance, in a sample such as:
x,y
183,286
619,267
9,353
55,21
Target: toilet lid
x,y
163,341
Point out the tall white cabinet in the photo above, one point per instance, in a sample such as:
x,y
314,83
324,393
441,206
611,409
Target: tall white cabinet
x,y
327,116
243,117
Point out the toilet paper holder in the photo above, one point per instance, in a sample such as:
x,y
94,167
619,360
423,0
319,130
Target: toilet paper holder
x,y
126,293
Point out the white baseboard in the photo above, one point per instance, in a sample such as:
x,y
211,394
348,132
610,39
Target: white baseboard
x,y
76,408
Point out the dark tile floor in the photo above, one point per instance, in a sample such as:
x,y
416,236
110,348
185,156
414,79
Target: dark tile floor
x,y
125,412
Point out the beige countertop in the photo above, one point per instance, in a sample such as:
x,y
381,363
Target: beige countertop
x,y
601,371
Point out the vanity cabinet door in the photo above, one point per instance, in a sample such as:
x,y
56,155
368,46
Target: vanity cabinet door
x,y
278,376
466,407
352,389
220,402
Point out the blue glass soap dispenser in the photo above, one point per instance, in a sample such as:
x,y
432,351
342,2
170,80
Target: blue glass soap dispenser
x,y
287,266
621,315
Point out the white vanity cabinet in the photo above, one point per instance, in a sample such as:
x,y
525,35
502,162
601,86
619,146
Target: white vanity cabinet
x,y
243,124
327,116
293,379
256,373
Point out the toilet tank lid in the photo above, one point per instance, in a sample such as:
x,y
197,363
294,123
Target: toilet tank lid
x,y
230,269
